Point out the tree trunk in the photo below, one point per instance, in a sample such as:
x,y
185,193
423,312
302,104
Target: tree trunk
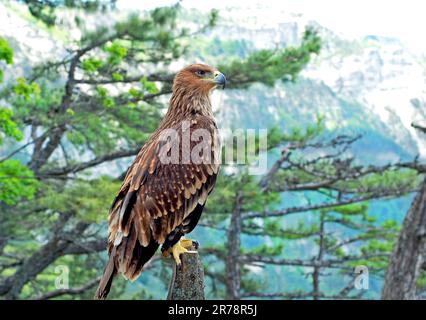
x,y
188,280
233,276
317,269
409,253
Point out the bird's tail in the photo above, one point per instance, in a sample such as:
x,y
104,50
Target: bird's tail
x,y
106,280
128,258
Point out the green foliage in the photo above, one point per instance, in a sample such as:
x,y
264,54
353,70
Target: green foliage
x,y
297,135
26,90
267,250
251,283
213,18
268,66
349,209
391,180
116,53
6,54
91,65
16,182
106,99
370,240
149,86
225,193
274,228
88,200
117,76
35,100
421,281
45,10
7,126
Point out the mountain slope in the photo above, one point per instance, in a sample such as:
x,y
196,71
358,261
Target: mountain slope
x,y
369,85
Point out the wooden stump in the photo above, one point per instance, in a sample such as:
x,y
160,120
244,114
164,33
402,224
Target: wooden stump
x,y
188,280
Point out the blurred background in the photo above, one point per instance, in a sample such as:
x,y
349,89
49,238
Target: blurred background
x,y
339,86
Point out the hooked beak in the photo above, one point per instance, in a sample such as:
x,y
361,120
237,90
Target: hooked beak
x,y
219,79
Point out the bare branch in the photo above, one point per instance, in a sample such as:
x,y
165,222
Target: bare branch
x,y
331,263
130,79
72,291
283,295
89,164
419,127
292,210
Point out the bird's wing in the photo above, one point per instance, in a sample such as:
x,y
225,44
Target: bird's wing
x,y
156,197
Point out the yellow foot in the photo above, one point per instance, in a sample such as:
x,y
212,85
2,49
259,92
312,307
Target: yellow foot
x,y
182,246
177,250
188,243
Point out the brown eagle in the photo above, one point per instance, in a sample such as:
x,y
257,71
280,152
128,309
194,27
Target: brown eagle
x,y
166,187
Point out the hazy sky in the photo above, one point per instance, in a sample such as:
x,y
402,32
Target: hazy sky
x,y
402,19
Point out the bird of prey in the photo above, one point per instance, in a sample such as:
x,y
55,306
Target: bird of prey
x,y
167,185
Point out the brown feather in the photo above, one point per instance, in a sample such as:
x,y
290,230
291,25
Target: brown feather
x,y
155,197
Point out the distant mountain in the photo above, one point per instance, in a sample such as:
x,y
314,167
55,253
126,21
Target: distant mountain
x,y
372,85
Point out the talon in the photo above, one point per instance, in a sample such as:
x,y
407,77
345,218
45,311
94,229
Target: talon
x,y
177,250
195,244
188,243
182,246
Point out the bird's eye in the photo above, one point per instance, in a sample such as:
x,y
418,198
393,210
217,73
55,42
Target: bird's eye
x,y
200,72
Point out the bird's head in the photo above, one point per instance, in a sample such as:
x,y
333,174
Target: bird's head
x,y
199,78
